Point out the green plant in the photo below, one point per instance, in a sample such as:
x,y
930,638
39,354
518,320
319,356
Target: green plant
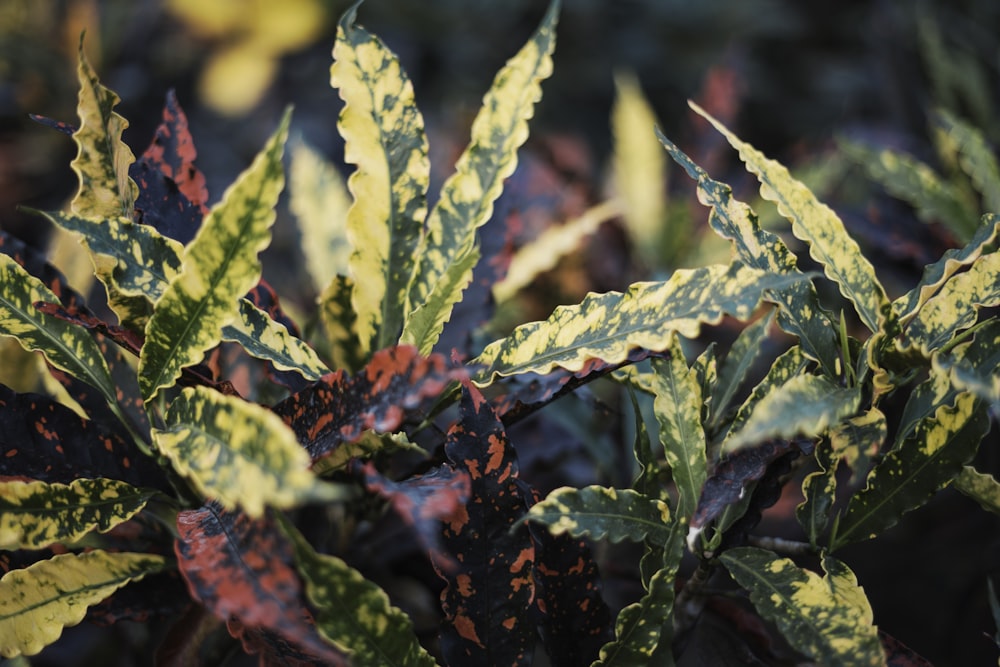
x,y
251,512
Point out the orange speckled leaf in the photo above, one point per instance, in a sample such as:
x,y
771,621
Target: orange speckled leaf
x,y
245,569
489,598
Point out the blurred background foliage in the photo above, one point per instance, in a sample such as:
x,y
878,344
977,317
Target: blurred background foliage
x,y
825,87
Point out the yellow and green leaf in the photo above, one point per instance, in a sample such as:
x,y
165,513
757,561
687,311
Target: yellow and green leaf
x,y
265,338
975,157
819,490
238,453
384,137
972,366
816,224
320,201
34,515
805,405
102,158
800,313
858,440
924,462
981,487
354,614
788,365
608,326
37,602
734,368
604,513
340,325
828,618
466,200
218,267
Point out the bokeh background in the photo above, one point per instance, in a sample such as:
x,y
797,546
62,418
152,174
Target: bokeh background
x,y
793,78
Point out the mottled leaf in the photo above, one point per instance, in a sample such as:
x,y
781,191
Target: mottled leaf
x,y
34,515
245,568
102,158
915,470
608,326
396,383
827,618
800,313
858,440
788,365
384,136
448,249
264,337
734,368
340,325
237,452
218,267
36,263
489,596
355,614
975,156
36,603
604,513
981,487
972,366
805,405
819,490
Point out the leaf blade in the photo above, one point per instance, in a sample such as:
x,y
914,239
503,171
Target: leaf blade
x,y
603,513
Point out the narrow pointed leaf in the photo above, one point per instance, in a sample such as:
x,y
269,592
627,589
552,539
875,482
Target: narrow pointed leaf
x,y
788,365
36,603
34,515
819,490
934,453
102,158
976,158
677,405
355,614
608,326
320,201
218,267
265,338
466,199
981,487
237,452
340,325
817,225
604,513
826,618
384,136
858,440
737,364
800,313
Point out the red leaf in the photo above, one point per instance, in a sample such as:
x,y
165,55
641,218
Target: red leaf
x,y
396,383
898,654
245,569
489,599
57,125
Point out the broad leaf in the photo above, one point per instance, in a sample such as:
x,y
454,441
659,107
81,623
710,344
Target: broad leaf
x,y
805,405
604,513
355,614
384,136
245,569
973,365
827,618
34,515
981,487
36,603
448,250
608,326
800,313
817,225
218,267
102,158
237,452
923,463
788,365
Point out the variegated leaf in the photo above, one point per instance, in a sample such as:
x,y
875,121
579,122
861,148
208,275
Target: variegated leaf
x,y
265,338
218,267
981,487
384,136
320,201
788,365
355,614
933,453
973,365
604,513
800,312
102,159
466,200
975,156
827,618
735,367
639,626
37,602
819,490
817,225
340,325
677,405
237,452
34,515
805,405
608,326
858,440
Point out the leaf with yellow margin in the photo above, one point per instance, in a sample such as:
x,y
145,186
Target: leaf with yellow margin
x,y
975,156
37,602
608,326
603,513
218,267
448,250
34,515
828,618
817,225
339,323
973,365
981,487
384,136
102,159
238,453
